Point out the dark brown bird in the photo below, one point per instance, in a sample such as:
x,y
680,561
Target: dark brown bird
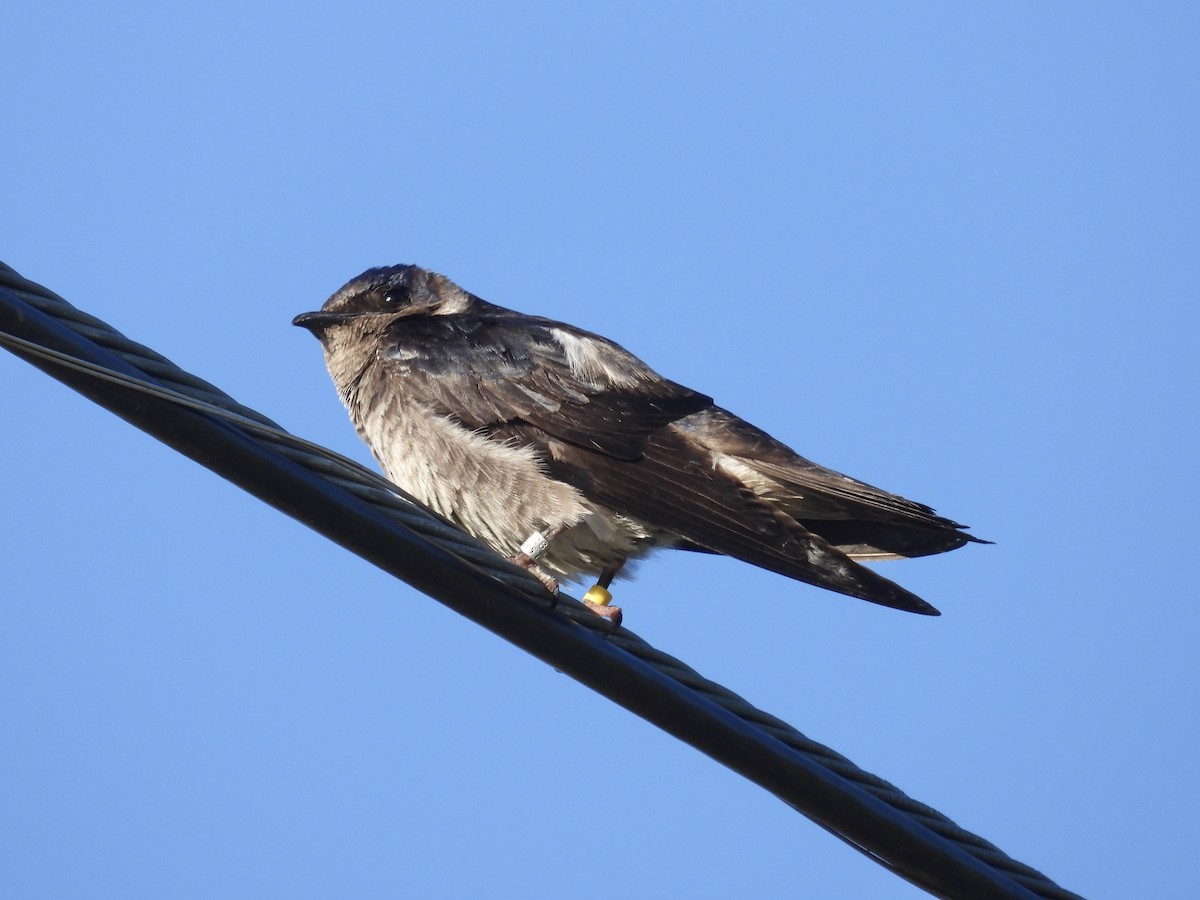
x,y
562,450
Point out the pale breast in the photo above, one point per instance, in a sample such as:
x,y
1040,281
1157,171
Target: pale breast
x,y
497,492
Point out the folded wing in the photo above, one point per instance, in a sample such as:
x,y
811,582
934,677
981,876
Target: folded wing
x,y
652,449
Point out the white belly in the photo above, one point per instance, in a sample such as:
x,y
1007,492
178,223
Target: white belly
x,y
499,493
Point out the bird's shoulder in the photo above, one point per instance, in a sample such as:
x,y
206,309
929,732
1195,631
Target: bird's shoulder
x,y
502,343
495,366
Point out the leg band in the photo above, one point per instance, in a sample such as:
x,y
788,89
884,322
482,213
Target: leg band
x,y
535,545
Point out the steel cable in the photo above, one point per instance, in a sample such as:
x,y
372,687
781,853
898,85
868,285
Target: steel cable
x,y
363,511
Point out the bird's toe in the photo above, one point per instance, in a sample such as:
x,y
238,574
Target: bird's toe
x,y
612,613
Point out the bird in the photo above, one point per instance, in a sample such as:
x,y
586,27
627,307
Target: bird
x,y
566,453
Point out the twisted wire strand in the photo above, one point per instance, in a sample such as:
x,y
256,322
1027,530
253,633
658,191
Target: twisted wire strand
x,y
168,382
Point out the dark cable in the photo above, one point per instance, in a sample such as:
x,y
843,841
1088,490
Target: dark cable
x,y
370,517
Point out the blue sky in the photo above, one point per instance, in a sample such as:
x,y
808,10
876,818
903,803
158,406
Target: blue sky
x,y
947,249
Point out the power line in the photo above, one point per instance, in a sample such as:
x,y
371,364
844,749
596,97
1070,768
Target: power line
x,y
366,514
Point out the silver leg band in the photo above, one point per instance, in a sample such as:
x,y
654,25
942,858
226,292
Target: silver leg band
x,y
535,546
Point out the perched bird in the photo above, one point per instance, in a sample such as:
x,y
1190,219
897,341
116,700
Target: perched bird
x,y
562,450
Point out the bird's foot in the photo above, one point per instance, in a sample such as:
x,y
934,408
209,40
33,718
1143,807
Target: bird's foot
x,y
612,613
525,561
597,599
535,548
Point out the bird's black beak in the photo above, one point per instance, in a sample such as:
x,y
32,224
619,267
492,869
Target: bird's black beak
x,y
317,322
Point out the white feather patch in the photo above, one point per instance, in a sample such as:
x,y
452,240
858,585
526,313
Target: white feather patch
x,y
587,359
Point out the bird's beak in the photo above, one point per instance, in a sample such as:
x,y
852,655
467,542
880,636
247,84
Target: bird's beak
x,y
316,322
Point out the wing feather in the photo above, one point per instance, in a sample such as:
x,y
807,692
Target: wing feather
x,y
652,449
673,488
864,521
489,370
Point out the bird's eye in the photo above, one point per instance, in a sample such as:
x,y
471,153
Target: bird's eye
x,y
395,297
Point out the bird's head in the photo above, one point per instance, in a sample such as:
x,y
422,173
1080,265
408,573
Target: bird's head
x,y
378,297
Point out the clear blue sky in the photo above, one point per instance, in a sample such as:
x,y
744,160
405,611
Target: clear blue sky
x,y
950,250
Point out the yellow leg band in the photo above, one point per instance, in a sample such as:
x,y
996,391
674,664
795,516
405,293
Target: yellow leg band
x,y
598,595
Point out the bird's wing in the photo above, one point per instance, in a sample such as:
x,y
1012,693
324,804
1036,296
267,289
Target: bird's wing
x,y
486,371
618,432
862,520
675,486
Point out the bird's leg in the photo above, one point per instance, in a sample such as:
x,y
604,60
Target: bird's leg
x,y
598,598
535,548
